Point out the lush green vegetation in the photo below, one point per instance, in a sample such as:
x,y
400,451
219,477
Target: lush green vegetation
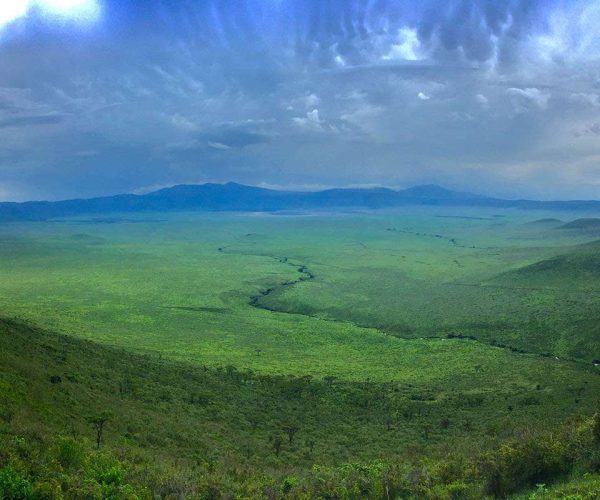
x,y
432,277
173,429
135,283
250,355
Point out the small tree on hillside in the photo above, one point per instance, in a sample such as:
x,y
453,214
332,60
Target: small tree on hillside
x,y
290,430
596,427
98,422
389,422
277,444
426,432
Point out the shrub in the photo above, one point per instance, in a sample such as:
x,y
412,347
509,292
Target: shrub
x,y
519,465
69,453
289,483
47,489
13,486
112,476
454,491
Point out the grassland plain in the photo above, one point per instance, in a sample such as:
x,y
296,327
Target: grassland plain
x,y
500,279
350,298
183,285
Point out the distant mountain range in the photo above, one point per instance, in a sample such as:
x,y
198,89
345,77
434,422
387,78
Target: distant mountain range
x,y
237,197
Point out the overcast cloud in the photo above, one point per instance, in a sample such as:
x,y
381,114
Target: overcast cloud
x,y
106,96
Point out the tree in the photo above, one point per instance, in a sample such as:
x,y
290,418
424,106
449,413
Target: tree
x,y
596,427
98,422
426,432
389,422
277,444
290,430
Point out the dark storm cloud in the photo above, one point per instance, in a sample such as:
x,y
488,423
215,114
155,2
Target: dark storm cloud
x,y
475,94
479,28
318,31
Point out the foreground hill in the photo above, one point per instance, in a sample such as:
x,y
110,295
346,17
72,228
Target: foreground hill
x,y
237,197
173,431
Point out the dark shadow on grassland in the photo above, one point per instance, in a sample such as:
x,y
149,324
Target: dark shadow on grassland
x,y
216,310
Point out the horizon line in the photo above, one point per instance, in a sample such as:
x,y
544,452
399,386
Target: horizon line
x,y
141,192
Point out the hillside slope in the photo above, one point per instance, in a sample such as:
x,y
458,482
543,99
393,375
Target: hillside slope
x,y
578,268
585,224
564,287
174,430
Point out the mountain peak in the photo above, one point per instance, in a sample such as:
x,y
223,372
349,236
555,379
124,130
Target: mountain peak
x,y
435,191
239,197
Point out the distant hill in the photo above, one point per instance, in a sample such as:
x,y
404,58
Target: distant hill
x,y
588,224
577,268
431,191
547,222
238,197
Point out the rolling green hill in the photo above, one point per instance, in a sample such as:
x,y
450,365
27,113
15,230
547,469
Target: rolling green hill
x,y
584,224
579,268
572,280
177,430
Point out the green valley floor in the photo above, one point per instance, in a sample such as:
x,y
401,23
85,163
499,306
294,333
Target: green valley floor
x,y
411,353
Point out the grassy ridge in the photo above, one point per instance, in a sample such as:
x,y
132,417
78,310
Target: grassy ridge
x,y
182,430
383,419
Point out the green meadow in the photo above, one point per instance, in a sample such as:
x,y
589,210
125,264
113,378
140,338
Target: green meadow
x,y
405,333
384,287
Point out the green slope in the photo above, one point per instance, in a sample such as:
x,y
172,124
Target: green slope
x,y
578,268
183,430
564,293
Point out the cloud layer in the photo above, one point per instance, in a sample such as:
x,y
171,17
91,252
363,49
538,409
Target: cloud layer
x,y
501,97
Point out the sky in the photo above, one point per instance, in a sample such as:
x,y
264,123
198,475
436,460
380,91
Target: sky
x,y
498,97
